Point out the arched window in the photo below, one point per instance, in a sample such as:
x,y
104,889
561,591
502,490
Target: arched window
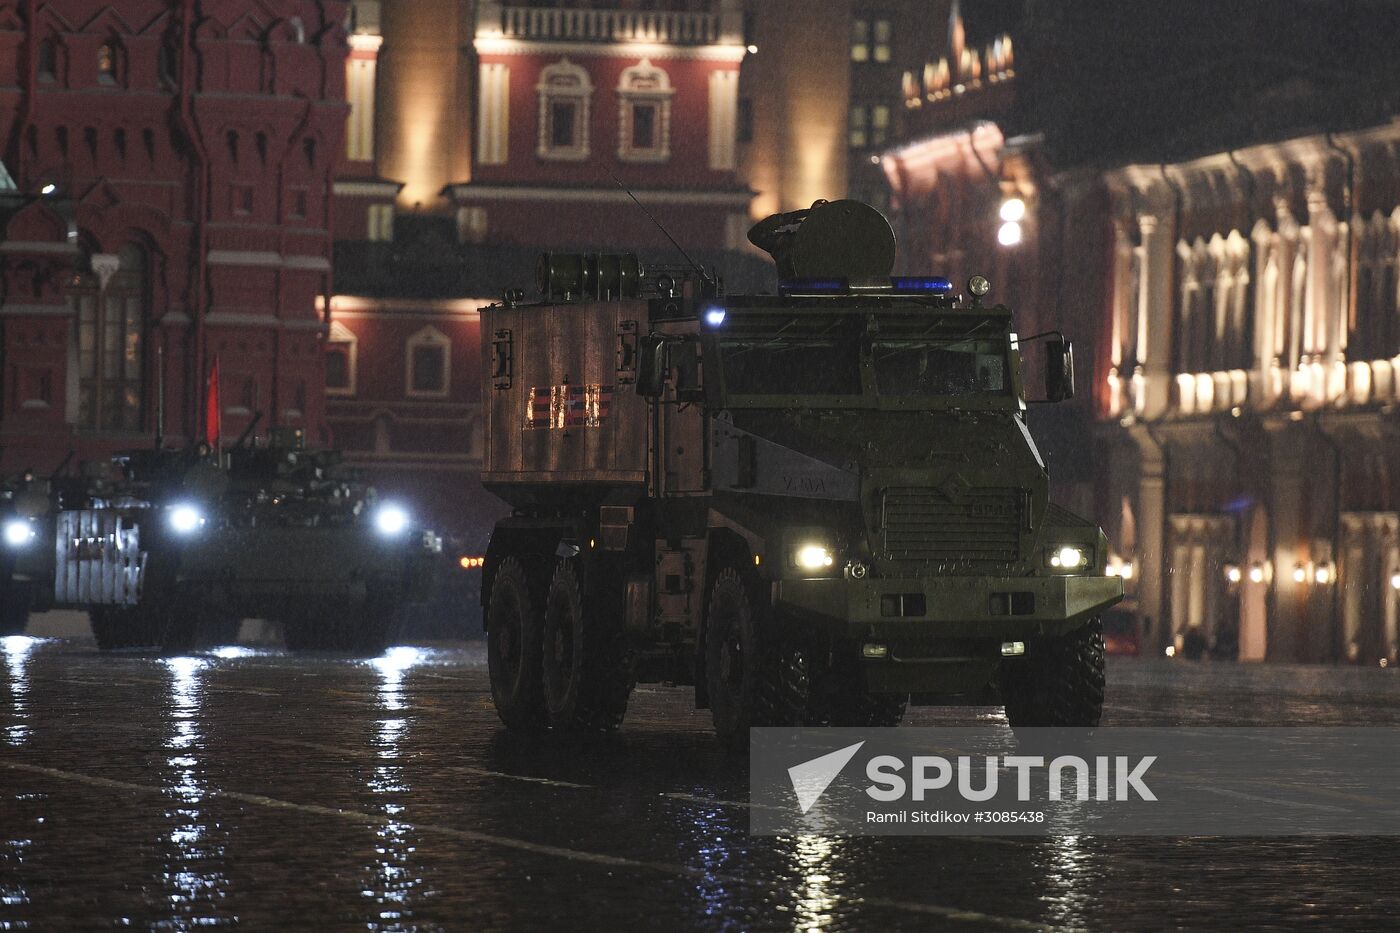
x,y
165,63
644,114
47,64
565,93
1374,331
108,62
109,303
429,364
342,347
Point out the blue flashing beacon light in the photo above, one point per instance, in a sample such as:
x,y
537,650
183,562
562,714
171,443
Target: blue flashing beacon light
x,y
935,284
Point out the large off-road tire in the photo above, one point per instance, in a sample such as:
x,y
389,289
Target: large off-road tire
x,y
15,600
585,679
118,627
754,677
514,629
1059,682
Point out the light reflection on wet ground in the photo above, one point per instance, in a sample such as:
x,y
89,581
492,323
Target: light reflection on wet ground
x,y
251,787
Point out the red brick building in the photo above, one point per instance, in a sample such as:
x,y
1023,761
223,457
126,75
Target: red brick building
x,y
166,200
479,136
570,99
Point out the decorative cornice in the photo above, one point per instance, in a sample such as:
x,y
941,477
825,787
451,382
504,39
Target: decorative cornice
x,y
478,192
637,50
367,189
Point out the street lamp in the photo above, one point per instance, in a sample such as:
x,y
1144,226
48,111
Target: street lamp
x,y
1012,212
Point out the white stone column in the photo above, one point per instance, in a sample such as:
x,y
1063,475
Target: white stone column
x,y
1150,559
1155,316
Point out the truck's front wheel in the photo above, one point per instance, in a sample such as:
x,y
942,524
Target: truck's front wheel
x,y
513,633
754,678
1059,682
586,685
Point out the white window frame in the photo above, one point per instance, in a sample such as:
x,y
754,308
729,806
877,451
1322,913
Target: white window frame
x,y
341,334
564,82
493,115
428,337
881,46
860,39
379,223
472,224
724,119
644,85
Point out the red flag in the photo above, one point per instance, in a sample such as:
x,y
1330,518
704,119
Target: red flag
x,y
212,422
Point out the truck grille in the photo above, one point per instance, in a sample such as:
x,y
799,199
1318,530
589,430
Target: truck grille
x,y
924,524
98,558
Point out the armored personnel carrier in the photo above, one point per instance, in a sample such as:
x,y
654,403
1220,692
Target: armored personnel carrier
x,y
175,548
809,505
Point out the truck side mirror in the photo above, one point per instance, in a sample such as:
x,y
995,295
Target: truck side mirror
x,y
1059,370
651,366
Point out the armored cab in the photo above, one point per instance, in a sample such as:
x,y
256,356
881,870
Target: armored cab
x,y
811,505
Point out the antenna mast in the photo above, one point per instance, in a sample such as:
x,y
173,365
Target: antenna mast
x,y
695,265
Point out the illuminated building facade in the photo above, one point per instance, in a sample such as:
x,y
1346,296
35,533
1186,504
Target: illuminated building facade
x,y
1230,283
1249,394
163,202
480,135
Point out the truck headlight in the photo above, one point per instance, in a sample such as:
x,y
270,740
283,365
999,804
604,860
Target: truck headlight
x,y
390,520
1069,557
185,519
18,533
813,557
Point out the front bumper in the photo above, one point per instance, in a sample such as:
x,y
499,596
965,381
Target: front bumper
x,y
273,563
920,610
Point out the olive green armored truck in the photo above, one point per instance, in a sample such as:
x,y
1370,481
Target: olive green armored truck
x,y
811,506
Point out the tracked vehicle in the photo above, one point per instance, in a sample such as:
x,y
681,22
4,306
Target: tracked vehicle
x,y
809,505
174,548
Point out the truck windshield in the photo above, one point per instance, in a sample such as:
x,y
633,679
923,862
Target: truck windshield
x,y
939,368
765,366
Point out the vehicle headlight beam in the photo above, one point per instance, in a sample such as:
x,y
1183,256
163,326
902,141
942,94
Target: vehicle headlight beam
x,y
390,520
185,519
18,532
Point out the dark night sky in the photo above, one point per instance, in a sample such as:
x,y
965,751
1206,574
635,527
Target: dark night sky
x,y
1176,78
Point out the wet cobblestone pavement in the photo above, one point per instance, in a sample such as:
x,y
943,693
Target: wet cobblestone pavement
x,y
255,788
